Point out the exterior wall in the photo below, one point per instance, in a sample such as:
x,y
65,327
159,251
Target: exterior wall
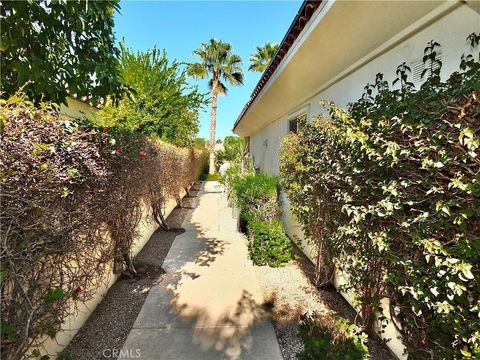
x,y
76,109
450,31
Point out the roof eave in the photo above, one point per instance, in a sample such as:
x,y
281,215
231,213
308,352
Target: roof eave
x,y
302,18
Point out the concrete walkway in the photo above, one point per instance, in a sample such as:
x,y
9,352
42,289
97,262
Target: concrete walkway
x,y
209,305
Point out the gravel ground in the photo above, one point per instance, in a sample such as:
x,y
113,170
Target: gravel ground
x,y
289,292
109,325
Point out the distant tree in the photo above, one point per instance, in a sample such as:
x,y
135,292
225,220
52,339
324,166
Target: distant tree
x,y
200,143
161,103
263,55
234,149
219,64
59,48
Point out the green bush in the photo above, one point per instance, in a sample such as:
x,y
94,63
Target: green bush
x,y
212,177
390,193
268,244
329,338
256,195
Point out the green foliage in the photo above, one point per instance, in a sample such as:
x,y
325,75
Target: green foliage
x,y
267,242
390,194
213,177
230,177
261,58
234,150
162,103
200,143
218,62
256,195
59,49
329,338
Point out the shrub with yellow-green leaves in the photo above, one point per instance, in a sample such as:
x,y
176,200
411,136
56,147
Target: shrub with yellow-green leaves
x,y
390,193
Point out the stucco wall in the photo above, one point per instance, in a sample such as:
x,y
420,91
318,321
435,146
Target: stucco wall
x,y
76,109
450,31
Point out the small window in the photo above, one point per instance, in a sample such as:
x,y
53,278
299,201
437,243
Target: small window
x,y
293,126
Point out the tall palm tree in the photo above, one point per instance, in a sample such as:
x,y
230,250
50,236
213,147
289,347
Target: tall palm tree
x,y
221,66
260,59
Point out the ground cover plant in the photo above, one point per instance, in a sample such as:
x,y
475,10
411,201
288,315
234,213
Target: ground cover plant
x,y
256,195
268,244
390,194
73,195
331,338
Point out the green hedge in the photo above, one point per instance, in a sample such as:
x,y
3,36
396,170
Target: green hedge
x,y
390,193
268,244
256,195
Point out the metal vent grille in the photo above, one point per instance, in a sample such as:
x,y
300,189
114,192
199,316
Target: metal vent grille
x,y
417,66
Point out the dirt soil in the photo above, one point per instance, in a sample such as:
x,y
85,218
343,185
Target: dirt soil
x,y
108,326
290,292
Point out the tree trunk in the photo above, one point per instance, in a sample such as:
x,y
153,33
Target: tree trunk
x,y
213,126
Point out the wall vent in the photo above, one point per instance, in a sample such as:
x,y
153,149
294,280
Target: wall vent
x,y
417,66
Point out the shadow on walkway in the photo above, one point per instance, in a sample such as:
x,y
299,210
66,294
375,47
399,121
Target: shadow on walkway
x,y
209,304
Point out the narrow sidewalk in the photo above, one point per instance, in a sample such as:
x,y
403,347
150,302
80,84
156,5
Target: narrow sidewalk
x,y
209,305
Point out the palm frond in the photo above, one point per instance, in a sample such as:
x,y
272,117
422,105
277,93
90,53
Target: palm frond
x,y
197,70
263,55
217,61
221,89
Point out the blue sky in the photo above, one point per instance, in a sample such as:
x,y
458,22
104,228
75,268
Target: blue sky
x,y
180,27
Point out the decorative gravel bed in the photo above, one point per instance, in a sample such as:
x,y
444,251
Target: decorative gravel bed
x,y
109,325
290,292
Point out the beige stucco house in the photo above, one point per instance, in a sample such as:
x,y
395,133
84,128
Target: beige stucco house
x,y
76,109
331,51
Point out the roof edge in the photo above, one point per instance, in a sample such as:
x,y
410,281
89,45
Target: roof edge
x,y
304,14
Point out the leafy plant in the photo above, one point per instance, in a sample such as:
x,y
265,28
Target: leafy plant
x,y
233,152
162,103
390,194
55,49
256,195
72,197
331,338
267,243
263,55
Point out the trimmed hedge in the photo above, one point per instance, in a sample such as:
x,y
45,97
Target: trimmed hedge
x,y
72,199
268,244
256,195
390,193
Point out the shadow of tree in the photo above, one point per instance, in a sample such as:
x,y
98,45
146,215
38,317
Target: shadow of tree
x,y
209,297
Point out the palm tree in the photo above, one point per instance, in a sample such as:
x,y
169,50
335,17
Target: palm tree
x,y
262,57
222,66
